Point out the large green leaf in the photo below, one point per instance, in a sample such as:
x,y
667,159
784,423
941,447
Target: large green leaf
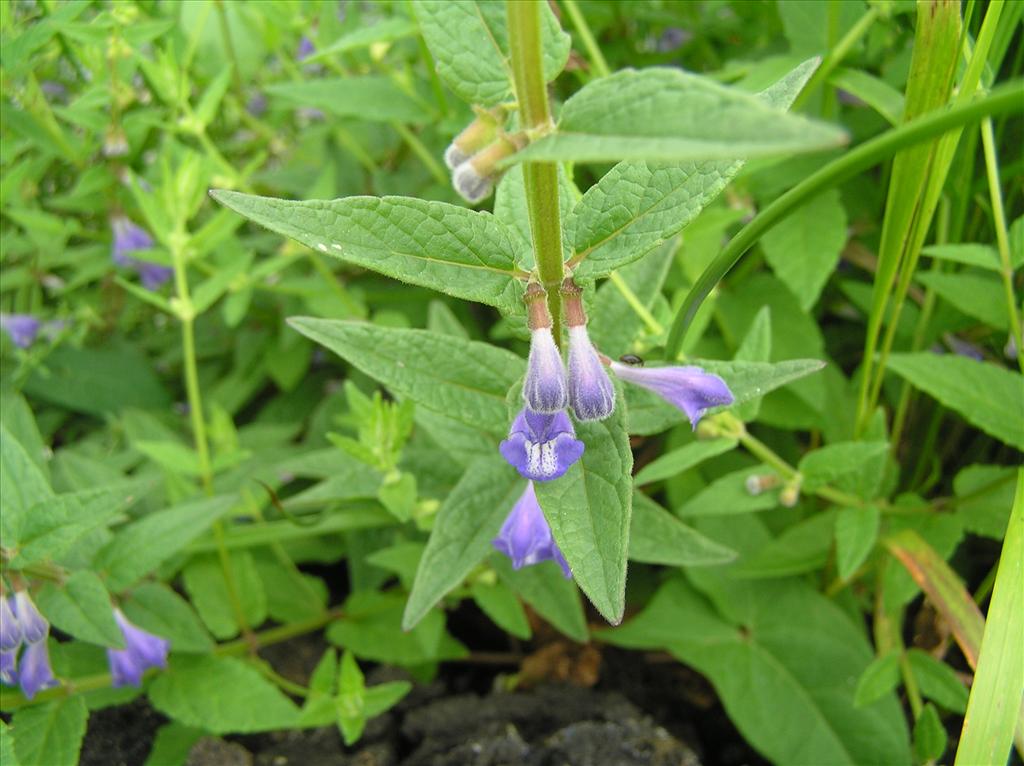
x,y
221,695
589,511
786,670
804,248
682,459
144,545
667,114
468,520
981,296
469,43
81,607
22,485
987,396
637,204
462,379
50,734
54,525
160,610
658,537
445,247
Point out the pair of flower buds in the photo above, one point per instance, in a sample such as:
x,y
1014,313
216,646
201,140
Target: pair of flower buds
x,y
474,155
21,625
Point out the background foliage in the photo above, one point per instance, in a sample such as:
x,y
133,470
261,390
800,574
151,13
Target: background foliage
x,y
823,552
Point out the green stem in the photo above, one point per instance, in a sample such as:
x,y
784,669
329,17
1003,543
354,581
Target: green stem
x,y
593,50
541,177
1002,239
636,304
1005,98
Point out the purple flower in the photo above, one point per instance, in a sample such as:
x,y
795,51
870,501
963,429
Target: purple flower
x,y
591,393
130,237
9,667
541,447
526,538
34,627
672,39
10,629
35,673
544,389
23,328
306,49
142,651
691,389
257,104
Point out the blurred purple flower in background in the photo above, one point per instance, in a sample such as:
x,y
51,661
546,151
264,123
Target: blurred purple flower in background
x,y
130,237
142,651
22,328
691,389
672,39
526,538
541,447
306,49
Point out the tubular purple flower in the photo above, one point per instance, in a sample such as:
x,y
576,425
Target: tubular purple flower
x,y
10,629
9,667
544,389
541,447
142,651
526,538
591,393
691,389
305,50
35,673
22,328
34,627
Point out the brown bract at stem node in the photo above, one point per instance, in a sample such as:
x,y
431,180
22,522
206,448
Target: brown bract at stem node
x,y
537,314
572,300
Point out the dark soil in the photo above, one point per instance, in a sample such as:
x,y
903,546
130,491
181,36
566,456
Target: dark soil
x,y
611,708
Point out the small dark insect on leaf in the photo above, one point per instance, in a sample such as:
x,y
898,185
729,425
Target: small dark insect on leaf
x,y
632,360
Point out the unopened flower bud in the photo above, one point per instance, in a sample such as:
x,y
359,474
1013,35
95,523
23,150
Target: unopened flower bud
x,y
478,134
544,388
115,143
756,484
591,393
790,495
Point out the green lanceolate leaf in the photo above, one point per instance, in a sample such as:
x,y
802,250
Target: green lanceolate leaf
x,y
468,520
667,114
144,545
985,395
546,590
462,379
787,655
638,204
371,97
658,537
980,296
22,485
469,43
444,247
804,249
221,695
81,607
856,535
589,512
498,602
825,465
678,460
52,733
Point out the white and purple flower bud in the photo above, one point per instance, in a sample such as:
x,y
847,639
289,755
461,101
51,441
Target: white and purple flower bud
x,y
541,447
526,538
691,389
470,185
34,627
474,178
10,628
142,651
544,389
35,673
591,392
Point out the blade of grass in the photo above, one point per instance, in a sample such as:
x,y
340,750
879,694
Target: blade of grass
x,y
994,709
